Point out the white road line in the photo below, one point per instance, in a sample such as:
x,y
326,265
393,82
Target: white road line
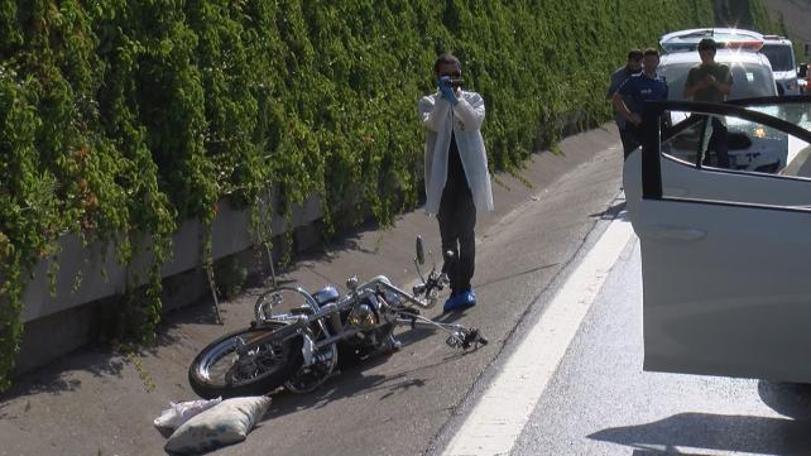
x,y
496,422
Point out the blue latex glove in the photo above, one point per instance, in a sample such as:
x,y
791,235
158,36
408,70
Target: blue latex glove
x,y
447,90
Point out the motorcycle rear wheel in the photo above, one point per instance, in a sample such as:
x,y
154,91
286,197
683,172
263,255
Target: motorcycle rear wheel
x,y
218,371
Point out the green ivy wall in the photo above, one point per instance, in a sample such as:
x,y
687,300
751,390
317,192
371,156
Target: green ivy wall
x,y
124,117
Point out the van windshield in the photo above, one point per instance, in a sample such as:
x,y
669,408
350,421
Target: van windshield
x,y
780,56
749,80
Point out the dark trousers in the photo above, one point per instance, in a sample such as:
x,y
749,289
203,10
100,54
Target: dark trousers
x,y
719,143
457,220
630,139
631,135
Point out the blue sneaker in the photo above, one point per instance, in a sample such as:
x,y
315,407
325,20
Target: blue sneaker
x,y
460,301
468,298
450,303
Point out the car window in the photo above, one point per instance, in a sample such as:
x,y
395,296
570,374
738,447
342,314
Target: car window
x,y
780,56
749,80
751,147
796,113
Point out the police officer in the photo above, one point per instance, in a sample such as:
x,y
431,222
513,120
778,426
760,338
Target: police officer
x,y
632,66
645,86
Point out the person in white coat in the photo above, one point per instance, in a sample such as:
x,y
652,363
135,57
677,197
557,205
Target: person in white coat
x,y
457,180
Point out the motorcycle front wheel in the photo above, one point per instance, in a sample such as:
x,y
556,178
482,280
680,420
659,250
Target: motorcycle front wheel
x,y
218,370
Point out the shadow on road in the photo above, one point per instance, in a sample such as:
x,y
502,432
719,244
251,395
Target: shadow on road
x,y
789,399
352,382
612,212
407,335
732,433
54,380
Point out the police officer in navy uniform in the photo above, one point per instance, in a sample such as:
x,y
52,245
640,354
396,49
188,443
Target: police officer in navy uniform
x,y
632,66
645,86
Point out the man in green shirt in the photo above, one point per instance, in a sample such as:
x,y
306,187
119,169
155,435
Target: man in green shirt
x,y
711,82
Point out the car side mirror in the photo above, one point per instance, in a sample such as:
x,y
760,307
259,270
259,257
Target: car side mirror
x,y
420,251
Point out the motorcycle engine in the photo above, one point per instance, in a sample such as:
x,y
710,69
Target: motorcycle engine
x,y
363,317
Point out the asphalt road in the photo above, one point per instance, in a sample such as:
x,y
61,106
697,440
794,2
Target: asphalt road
x,y
95,402
401,403
600,402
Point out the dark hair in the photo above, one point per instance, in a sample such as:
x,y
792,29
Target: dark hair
x,y
707,43
634,54
651,51
446,57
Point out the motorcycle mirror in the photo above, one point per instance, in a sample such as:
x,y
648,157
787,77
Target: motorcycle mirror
x,y
420,251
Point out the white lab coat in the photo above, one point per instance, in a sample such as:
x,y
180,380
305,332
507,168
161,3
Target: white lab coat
x,y
438,116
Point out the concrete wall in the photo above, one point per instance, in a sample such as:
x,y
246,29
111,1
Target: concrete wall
x,y
90,282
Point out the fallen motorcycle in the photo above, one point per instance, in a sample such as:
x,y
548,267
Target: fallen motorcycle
x,y
297,338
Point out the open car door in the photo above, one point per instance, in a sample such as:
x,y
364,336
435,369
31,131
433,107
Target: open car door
x,y
726,254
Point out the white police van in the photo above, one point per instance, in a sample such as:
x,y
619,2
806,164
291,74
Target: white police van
x,y
780,52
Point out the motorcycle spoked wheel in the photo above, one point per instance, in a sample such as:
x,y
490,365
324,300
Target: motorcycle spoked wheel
x,y
219,371
309,378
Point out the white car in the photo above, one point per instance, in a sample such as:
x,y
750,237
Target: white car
x,y
687,40
724,253
778,49
751,72
780,52
752,78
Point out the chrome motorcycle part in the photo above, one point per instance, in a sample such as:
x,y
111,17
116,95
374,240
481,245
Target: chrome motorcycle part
x,y
405,296
466,338
281,301
418,289
307,348
420,251
388,311
221,370
454,340
320,363
363,317
309,378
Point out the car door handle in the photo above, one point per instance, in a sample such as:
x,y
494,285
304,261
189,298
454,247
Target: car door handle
x,y
678,232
